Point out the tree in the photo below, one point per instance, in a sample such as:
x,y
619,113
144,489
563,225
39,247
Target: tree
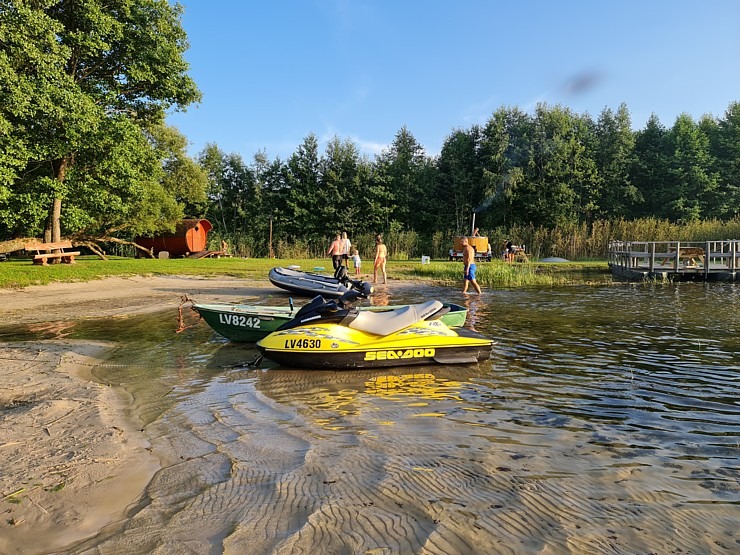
x,y
339,184
458,184
271,190
183,178
306,207
505,156
373,198
85,65
118,185
233,191
30,96
548,194
615,143
649,172
724,139
28,46
403,168
693,183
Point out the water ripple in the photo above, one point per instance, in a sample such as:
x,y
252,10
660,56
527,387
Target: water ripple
x,y
606,421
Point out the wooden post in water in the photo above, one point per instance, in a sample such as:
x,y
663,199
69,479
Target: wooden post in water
x,y
707,255
678,256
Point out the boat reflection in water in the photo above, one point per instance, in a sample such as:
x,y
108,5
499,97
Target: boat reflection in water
x,y
329,397
421,387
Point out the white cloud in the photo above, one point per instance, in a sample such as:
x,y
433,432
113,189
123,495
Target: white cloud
x,y
369,147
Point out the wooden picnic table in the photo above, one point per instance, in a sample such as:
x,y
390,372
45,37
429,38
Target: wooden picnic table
x,y
45,251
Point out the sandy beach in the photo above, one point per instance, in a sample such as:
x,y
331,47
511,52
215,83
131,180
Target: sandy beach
x,y
73,458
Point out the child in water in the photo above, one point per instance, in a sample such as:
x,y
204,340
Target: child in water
x,y
356,261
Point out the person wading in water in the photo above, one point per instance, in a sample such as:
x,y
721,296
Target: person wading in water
x,y
469,267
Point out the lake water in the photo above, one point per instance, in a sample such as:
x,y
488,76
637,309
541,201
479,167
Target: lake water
x,y
606,421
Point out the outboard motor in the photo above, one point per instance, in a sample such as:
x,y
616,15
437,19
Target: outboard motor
x,y
341,274
365,289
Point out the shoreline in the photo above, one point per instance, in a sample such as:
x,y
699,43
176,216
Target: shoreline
x,y
75,458
118,296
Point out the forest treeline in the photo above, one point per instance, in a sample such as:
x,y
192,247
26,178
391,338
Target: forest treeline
x,y
536,178
85,153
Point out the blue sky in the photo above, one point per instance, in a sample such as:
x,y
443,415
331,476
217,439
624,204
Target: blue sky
x,y
273,71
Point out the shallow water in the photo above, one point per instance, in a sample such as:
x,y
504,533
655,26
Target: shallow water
x,y
607,421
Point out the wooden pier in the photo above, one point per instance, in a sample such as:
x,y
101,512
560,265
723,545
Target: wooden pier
x,y
675,260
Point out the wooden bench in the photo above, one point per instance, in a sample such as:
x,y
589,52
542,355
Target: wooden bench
x,y
45,251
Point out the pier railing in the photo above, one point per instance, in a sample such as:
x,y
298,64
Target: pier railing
x,y
675,257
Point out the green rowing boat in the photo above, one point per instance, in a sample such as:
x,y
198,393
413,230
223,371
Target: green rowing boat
x,y
250,323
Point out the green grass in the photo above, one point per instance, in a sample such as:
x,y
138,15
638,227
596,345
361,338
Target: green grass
x,y
21,273
500,274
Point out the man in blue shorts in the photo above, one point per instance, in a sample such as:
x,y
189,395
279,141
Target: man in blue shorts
x,y
469,265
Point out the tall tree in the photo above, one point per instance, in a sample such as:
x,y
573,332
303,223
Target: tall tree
x,y
403,166
183,178
339,177
374,198
108,59
547,196
119,185
693,182
649,171
271,192
212,161
28,90
458,185
615,143
233,191
505,157
306,208
725,149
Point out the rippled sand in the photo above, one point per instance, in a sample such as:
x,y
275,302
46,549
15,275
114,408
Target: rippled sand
x,y
359,462
71,458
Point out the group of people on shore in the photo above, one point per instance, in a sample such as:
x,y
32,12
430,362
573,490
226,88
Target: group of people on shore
x,y
341,247
341,251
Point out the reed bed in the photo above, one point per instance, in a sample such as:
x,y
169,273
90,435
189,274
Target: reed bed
x,y
498,274
580,241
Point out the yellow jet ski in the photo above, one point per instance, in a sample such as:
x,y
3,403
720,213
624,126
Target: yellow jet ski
x,y
329,334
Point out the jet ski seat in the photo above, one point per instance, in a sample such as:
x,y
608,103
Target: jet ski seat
x,y
386,323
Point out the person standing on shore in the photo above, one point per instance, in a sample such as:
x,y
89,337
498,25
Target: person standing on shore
x,y
356,261
346,249
381,254
335,251
509,251
469,267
